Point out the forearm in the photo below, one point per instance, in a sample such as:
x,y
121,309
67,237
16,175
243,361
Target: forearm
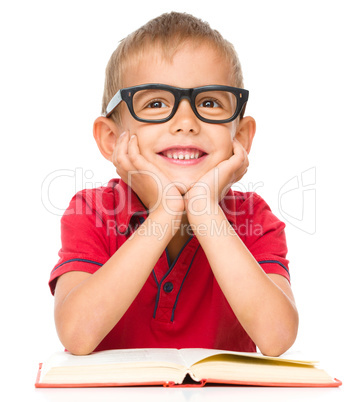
x,y
92,308
267,314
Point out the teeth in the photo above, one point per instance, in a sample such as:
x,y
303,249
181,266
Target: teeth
x,y
186,155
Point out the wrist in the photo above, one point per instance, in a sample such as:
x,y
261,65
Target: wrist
x,y
167,221
200,208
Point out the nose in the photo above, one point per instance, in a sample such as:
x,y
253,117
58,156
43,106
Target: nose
x,y
185,119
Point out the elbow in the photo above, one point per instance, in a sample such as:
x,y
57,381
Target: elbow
x,y
280,340
77,346
77,341
276,349
79,349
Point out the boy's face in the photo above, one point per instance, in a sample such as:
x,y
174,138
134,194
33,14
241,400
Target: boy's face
x,y
184,134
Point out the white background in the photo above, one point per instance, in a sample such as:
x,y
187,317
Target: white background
x,y
299,66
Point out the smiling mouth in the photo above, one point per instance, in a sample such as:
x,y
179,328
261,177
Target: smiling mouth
x,y
183,153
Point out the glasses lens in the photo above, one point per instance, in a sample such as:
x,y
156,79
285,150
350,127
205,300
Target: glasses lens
x,y
153,104
216,105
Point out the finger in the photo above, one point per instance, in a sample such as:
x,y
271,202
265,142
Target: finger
x,y
138,161
239,159
120,155
133,148
134,151
238,148
118,148
122,143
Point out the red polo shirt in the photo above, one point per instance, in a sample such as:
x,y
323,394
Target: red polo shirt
x,y
181,305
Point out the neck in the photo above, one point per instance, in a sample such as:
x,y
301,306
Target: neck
x,y
179,239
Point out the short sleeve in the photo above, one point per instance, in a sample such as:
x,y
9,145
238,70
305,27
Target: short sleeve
x,y
265,236
84,241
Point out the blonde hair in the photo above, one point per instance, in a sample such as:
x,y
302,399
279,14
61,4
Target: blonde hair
x,y
168,32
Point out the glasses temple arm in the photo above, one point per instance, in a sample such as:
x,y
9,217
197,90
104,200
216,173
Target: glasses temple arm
x,y
113,103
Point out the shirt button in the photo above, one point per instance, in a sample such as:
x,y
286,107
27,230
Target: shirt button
x,y
168,287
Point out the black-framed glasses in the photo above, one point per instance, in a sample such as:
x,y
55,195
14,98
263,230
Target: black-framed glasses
x,y
157,103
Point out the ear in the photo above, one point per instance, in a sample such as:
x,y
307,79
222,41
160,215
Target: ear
x,y
105,132
245,132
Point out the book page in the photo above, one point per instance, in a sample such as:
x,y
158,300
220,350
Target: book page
x,y
64,359
193,356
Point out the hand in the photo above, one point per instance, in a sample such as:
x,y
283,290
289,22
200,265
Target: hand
x,y
147,181
210,189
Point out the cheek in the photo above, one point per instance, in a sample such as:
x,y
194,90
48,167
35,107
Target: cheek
x,y
226,148
223,137
134,127
128,122
229,146
146,140
229,152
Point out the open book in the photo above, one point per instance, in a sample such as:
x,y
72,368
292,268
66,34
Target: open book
x,y
174,367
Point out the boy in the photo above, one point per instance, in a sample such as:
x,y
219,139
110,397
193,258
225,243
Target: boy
x,y
158,258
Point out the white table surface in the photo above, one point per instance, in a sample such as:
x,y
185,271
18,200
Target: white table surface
x,y
214,394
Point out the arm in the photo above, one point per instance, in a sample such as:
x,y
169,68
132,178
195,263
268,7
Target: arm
x,y
88,306
263,304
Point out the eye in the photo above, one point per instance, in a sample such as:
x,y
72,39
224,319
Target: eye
x,y
156,104
210,103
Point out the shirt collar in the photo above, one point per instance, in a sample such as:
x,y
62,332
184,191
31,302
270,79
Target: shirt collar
x,y
129,205
229,204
